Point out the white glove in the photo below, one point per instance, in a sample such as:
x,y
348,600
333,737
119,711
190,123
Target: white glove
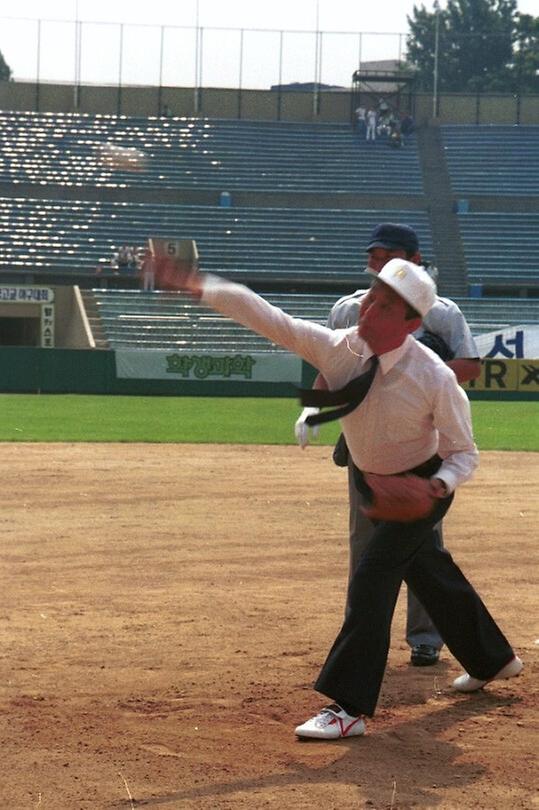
x,y
301,428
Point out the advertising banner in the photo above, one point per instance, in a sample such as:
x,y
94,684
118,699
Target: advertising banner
x,y
507,375
152,364
514,342
14,294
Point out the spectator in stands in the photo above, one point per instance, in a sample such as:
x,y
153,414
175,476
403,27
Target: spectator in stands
x,y
124,260
392,131
99,277
395,139
370,133
147,272
361,121
120,260
114,262
407,126
132,259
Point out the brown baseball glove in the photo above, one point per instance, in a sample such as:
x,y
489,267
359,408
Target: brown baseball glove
x,y
399,498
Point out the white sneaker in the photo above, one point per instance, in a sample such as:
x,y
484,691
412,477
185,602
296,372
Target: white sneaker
x,y
465,683
331,723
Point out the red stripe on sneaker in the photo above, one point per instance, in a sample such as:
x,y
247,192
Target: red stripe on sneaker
x,y
346,729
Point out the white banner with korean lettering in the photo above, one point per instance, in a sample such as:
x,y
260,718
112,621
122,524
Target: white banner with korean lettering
x,y
514,342
47,326
155,364
15,294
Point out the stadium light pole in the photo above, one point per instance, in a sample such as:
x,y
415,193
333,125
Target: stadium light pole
x,y
436,58
197,58
76,87
316,61
240,75
280,85
38,63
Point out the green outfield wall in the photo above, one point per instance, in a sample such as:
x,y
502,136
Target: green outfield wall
x,y
74,371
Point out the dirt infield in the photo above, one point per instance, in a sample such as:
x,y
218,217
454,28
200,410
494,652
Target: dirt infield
x,y
165,608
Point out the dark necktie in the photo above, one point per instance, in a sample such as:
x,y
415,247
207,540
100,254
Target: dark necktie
x,y
348,398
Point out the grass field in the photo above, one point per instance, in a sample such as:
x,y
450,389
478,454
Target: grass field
x,y
76,418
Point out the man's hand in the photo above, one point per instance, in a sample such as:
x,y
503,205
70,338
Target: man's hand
x,y
465,369
399,498
301,428
438,488
178,274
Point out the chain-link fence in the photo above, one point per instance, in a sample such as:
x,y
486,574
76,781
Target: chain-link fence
x,y
187,56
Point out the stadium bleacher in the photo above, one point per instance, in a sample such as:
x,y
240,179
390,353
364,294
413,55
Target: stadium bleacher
x,y
315,251
277,244
164,320
501,247
492,160
201,153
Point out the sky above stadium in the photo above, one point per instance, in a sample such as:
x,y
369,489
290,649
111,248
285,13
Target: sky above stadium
x,y
123,38
332,15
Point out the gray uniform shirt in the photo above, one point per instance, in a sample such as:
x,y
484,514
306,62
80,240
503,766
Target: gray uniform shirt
x,y
444,319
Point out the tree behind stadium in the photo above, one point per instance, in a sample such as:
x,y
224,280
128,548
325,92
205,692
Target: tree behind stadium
x,y
5,70
483,45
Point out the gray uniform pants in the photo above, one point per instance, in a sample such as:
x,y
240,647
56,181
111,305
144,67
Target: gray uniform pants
x,y
419,627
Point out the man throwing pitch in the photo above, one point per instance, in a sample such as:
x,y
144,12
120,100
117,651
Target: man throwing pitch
x,y
409,427
444,320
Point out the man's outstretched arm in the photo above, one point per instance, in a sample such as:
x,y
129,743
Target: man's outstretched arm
x,y
311,341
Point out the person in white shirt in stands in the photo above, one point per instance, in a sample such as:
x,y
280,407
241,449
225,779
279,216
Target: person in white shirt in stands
x,y
361,121
147,271
415,419
371,119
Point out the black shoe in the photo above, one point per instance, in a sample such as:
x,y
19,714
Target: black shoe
x,y
424,655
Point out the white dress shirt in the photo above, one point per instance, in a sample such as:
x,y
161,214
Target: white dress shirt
x,y
414,409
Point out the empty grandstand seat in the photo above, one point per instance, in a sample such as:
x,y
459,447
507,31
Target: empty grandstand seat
x,y
164,320
300,245
201,153
501,248
492,159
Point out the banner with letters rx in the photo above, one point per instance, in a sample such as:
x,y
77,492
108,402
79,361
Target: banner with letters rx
x,y
509,361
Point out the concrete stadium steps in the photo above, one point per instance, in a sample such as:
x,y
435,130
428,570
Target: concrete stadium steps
x,y
447,243
161,320
278,244
490,159
202,153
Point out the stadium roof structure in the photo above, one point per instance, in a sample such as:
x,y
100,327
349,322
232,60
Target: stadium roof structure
x,y
387,80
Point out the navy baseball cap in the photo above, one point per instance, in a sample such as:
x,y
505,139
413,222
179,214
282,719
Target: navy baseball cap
x,y
392,237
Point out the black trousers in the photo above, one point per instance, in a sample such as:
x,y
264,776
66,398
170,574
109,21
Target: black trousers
x,y
355,666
